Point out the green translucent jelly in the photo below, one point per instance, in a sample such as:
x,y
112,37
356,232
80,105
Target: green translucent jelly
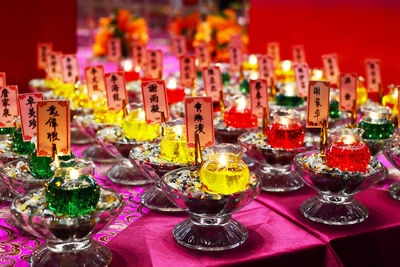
x,y
9,130
382,130
334,111
245,86
72,196
289,101
226,78
40,166
19,146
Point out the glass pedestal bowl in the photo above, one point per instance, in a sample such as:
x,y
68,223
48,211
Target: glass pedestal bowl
x,y
95,152
210,226
146,158
69,240
376,145
123,172
275,165
226,134
335,203
392,154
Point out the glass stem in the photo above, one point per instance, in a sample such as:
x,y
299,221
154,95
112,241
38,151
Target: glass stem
x,y
69,246
210,220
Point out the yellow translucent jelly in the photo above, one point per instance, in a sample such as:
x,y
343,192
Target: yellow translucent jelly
x,y
362,95
390,100
224,174
103,115
174,147
135,127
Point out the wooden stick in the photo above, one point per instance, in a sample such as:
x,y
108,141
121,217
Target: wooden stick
x,y
265,120
241,77
55,155
198,157
123,108
162,121
323,138
354,114
221,101
380,93
273,88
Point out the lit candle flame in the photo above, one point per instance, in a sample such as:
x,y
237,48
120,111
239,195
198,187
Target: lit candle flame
x,y
178,130
375,115
290,90
141,115
254,76
348,139
317,74
128,66
241,103
223,160
74,174
284,121
252,60
286,65
137,69
171,83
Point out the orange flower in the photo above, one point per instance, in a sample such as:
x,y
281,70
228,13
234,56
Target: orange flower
x,y
104,21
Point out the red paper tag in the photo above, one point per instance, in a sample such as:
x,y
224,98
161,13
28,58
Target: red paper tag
x,y
27,113
202,55
199,119
70,70
53,126
95,83
187,65
212,82
259,97
54,68
265,67
318,104
42,50
236,40
331,68
235,58
8,106
154,64
299,55
139,55
114,53
2,79
155,101
302,75
373,69
179,45
274,50
398,104
117,96
348,91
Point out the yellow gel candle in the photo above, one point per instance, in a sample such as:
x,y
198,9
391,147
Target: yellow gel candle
x,y
174,147
135,127
103,115
224,173
362,94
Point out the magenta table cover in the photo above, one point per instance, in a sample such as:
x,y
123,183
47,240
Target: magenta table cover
x,y
273,241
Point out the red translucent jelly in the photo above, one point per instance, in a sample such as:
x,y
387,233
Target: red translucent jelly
x,y
240,118
175,95
285,136
348,157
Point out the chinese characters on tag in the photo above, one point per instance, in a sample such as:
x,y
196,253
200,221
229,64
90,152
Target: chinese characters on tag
x,y
317,103
27,112
155,101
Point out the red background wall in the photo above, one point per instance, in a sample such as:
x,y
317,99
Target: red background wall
x,y
25,23
354,29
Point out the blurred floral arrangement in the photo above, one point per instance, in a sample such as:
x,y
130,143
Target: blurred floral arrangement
x,y
186,26
217,30
123,25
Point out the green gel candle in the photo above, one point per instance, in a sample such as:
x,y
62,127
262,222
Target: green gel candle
x,y
376,129
40,166
72,195
19,146
9,130
334,111
245,86
289,101
226,78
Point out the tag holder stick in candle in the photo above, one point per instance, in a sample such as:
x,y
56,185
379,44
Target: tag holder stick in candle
x,y
354,114
162,121
124,109
323,139
273,88
380,93
241,77
198,157
55,155
221,101
264,120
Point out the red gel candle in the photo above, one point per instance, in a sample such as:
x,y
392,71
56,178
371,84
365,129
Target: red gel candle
x,y
285,136
175,95
285,131
240,118
348,153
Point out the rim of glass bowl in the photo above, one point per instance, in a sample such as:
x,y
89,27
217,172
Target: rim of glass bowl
x,y
27,181
129,141
351,174
71,220
205,195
